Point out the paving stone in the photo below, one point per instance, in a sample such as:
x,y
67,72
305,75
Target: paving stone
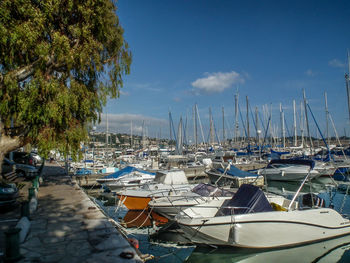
x,y
54,257
79,235
105,232
92,224
94,215
32,243
78,248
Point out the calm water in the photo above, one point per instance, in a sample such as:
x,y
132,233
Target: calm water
x,y
164,250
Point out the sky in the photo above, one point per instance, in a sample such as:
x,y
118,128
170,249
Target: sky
x,y
204,52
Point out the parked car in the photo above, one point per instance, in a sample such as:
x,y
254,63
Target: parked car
x,y
8,167
8,194
24,158
22,170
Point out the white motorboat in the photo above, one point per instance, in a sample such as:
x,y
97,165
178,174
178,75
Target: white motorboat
x,y
166,183
127,177
231,176
289,170
252,219
170,206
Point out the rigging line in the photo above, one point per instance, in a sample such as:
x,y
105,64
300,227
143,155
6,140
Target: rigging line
x,y
147,217
289,137
126,223
261,121
253,118
184,132
200,124
267,129
336,133
240,114
217,137
318,127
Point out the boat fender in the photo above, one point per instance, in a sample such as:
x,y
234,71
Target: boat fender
x,y
283,173
127,255
134,242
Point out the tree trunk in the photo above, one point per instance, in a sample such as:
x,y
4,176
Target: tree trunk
x,y
8,144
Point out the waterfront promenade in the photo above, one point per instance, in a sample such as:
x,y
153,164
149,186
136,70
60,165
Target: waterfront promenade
x,y
68,227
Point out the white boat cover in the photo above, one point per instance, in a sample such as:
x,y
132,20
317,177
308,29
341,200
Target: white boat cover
x,y
171,177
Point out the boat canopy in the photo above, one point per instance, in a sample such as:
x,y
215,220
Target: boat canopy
x,y
234,171
210,190
310,163
248,199
124,171
171,177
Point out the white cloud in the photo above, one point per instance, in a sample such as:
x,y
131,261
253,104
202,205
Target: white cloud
x,y
121,123
217,82
124,93
335,63
310,73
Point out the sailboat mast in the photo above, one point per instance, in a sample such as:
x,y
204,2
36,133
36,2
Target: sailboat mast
x,y
179,138
283,128
281,120
131,134
171,137
195,126
327,117
257,126
236,117
248,134
302,123
223,126
211,130
307,120
347,84
295,125
106,129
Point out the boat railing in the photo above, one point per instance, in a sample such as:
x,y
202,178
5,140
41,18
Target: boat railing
x,y
198,199
221,211
168,192
186,198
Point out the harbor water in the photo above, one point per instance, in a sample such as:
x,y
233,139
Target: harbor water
x,y
157,237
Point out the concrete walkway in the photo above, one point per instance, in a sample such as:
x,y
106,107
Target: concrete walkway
x,y
69,227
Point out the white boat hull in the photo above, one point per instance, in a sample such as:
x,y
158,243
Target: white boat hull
x,y
266,230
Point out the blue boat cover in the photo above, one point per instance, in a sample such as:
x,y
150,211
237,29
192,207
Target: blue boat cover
x,y
248,199
124,171
234,171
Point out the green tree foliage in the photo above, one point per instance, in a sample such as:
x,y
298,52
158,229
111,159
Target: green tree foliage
x,y
59,61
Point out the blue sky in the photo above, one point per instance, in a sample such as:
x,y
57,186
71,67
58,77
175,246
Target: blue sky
x,y
187,52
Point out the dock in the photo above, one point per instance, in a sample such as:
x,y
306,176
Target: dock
x,y
69,227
